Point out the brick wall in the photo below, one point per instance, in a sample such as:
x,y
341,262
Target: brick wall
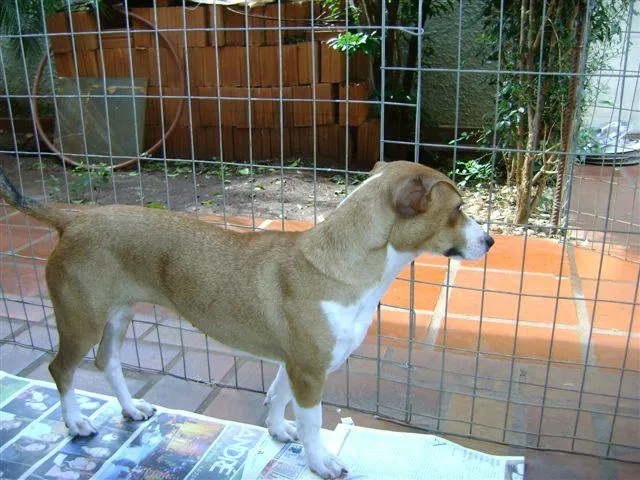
x,y
268,48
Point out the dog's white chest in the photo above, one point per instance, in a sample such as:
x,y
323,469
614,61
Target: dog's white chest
x,y
349,323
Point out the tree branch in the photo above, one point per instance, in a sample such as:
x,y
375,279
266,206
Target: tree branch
x,y
536,43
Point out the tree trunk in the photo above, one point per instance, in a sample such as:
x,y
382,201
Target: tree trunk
x,y
391,43
523,201
568,119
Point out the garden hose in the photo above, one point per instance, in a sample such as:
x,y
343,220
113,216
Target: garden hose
x,y
166,134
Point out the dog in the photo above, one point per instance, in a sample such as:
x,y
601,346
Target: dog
x,y
303,300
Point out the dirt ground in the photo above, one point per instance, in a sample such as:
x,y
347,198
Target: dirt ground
x,y
264,192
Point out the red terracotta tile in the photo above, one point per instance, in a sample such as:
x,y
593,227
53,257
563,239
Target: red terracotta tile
x,y
613,316
463,333
614,306
22,279
460,333
22,311
499,338
501,281
245,221
489,280
291,225
588,266
425,273
211,218
41,248
506,254
535,284
541,255
548,310
425,296
237,228
534,342
538,296
544,256
233,220
432,259
628,253
609,351
20,219
16,237
396,325
615,291
471,302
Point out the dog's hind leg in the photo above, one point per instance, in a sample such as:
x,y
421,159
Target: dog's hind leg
x,y
70,354
278,397
108,360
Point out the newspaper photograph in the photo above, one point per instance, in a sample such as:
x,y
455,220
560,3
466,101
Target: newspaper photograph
x,y
272,460
172,445
34,442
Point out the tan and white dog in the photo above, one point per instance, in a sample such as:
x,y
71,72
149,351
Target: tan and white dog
x,y
303,300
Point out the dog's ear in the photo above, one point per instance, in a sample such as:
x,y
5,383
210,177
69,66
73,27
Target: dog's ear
x,y
377,166
413,194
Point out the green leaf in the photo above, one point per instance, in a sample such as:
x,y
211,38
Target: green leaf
x,y
156,205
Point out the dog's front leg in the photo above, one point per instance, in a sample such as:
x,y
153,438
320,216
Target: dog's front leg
x,y
307,392
309,421
278,397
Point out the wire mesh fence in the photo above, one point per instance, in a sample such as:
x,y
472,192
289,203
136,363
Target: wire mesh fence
x,y
249,118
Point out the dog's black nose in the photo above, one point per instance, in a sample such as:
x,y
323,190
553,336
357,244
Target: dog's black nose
x,y
489,241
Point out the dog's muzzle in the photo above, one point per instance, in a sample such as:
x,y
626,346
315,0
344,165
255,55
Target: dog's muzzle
x,y
478,248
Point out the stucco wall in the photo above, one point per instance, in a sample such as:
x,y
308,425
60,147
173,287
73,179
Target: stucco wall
x,y
477,94
619,92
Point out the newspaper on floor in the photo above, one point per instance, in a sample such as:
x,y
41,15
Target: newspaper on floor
x,y
174,444
373,454
379,454
272,460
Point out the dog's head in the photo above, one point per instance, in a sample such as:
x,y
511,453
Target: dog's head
x,y
428,212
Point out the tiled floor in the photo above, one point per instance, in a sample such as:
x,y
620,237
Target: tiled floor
x,y
245,406
602,194
517,330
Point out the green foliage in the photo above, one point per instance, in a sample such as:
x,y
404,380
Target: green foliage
x,y
352,43
156,205
333,12
473,171
518,93
86,179
26,16
534,112
588,142
81,181
354,178
179,171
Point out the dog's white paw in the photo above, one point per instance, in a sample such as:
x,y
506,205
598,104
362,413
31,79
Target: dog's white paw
x,y
283,431
139,410
326,465
80,425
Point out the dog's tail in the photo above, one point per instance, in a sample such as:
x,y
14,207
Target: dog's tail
x,y
31,207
